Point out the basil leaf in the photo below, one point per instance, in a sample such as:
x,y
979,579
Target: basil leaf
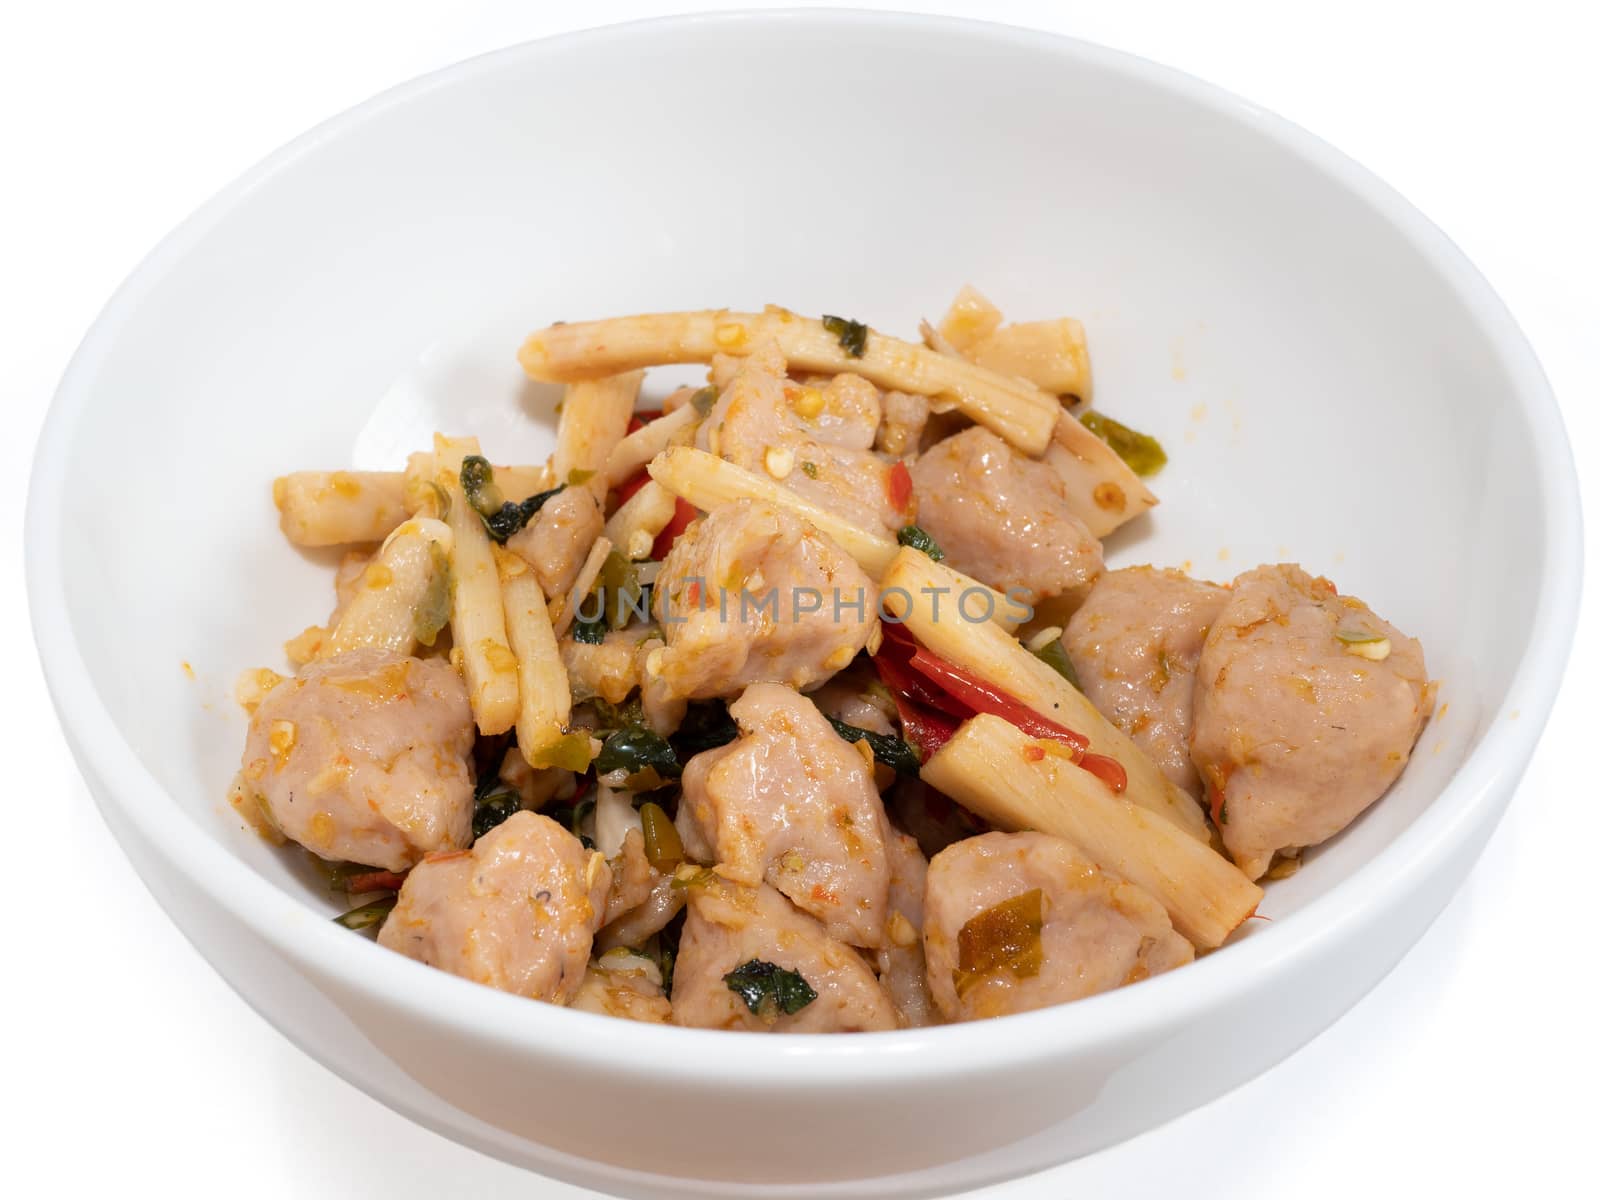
x,y
590,633
636,748
895,753
768,989
579,811
493,810
618,716
852,335
918,538
500,518
1054,656
705,726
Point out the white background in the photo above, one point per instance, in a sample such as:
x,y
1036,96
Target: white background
x,y
128,1063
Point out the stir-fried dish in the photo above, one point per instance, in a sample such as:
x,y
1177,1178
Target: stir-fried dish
x,y
807,702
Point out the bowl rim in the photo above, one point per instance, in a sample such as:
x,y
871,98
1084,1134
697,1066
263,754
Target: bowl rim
x,y
708,1057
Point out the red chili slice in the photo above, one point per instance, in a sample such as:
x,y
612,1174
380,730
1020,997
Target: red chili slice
x,y
681,516
893,662
936,691
983,697
374,881
899,487
1108,770
632,484
925,728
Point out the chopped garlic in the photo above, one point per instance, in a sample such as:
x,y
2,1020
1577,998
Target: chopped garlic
x,y
280,740
1372,646
322,829
779,461
497,655
809,404
626,961
305,645
1372,651
507,564
1043,638
900,930
330,777
253,687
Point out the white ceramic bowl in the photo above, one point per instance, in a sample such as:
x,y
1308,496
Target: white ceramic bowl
x,y
1336,385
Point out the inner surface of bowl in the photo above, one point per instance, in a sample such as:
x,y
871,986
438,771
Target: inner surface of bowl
x,y
1325,392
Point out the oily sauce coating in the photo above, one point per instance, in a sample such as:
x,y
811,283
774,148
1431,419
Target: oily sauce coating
x,y
1307,705
1003,518
364,757
1135,644
791,802
730,925
517,912
1097,932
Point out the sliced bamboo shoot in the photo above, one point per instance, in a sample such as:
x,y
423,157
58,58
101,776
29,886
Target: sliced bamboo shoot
x,y
1012,408
334,508
594,420
971,317
566,611
706,481
634,527
923,594
477,619
1102,490
1018,782
644,443
402,596
1052,355
545,706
